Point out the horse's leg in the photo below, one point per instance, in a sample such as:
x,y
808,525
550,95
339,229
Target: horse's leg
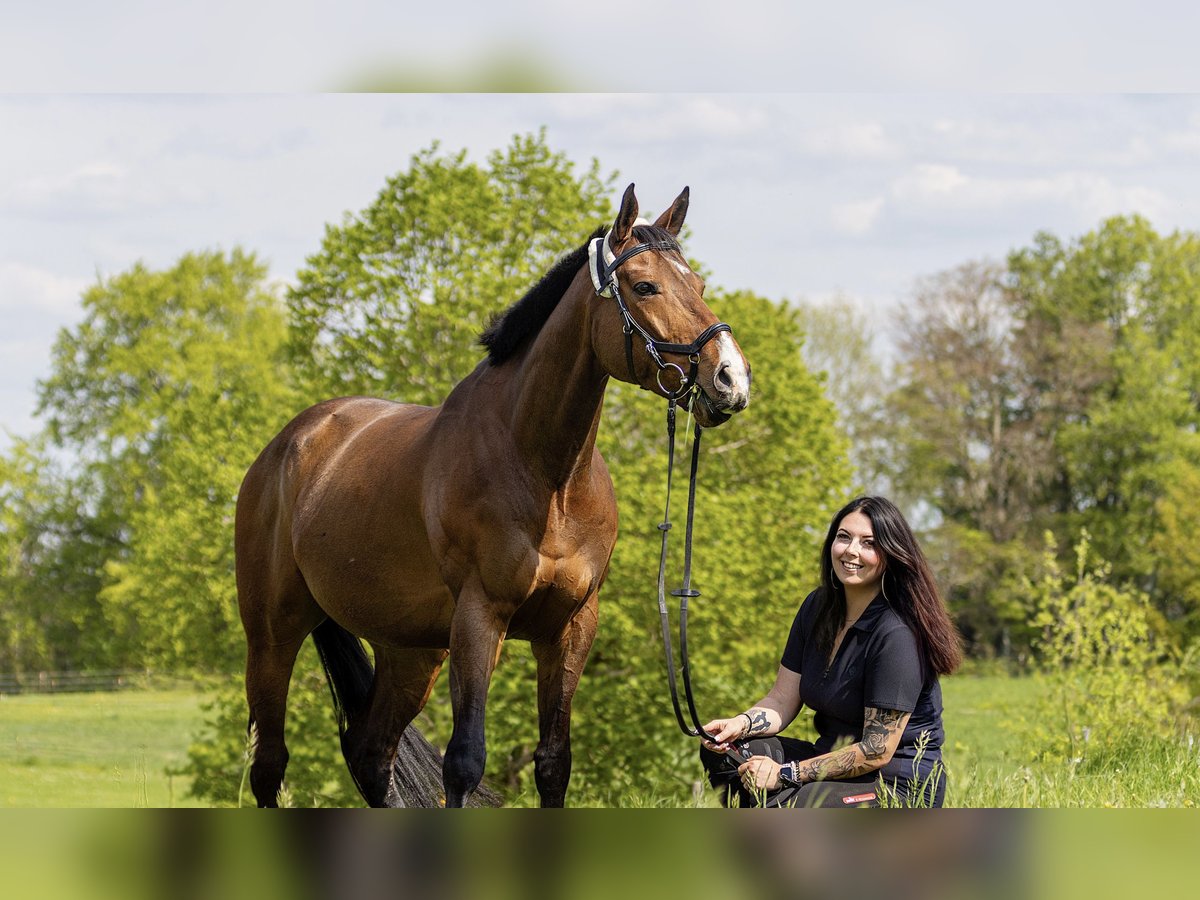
x,y
559,665
268,672
476,634
404,679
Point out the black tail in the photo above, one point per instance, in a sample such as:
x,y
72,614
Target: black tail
x,y
347,668
417,771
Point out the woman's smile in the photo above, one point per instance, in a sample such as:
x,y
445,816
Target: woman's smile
x,y
856,560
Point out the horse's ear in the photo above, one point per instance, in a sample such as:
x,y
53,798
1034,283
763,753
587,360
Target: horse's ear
x,y
625,218
672,219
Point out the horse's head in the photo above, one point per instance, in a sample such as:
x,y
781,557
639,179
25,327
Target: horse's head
x,y
653,327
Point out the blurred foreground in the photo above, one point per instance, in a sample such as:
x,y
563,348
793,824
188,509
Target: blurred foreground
x,y
493,855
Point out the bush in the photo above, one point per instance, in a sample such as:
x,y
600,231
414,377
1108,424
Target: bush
x,y
1115,681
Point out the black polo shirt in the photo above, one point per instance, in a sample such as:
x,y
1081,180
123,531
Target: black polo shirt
x,y
879,665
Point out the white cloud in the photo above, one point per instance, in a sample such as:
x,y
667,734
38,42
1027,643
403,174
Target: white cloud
x,y
683,117
929,181
96,188
24,289
858,217
856,140
943,187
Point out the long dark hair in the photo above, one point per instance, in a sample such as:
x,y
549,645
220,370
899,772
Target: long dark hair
x,y
909,586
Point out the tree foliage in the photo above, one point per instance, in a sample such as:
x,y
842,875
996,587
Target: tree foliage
x,y
394,301
1059,391
162,396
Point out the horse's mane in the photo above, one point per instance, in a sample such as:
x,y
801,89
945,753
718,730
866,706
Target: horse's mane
x,y
524,319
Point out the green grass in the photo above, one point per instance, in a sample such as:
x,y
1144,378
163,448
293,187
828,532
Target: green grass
x,y
113,750
96,750
991,764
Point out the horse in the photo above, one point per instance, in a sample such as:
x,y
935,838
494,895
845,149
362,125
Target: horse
x,y
435,532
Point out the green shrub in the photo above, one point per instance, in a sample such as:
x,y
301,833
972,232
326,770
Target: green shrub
x,y
1115,680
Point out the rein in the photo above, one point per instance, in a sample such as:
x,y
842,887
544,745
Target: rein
x,y
602,267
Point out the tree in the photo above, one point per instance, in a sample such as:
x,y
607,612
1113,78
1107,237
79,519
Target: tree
x,y
164,394
393,303
965,444
839,345
769,481
1061,392
1114,318
51,555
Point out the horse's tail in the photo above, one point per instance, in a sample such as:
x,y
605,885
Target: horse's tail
x,y
417,771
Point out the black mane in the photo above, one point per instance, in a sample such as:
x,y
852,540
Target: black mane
x,y
513,327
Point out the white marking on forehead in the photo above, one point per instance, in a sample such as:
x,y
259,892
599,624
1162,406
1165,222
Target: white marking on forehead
x,y
681,267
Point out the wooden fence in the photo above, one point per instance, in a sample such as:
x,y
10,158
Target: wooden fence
x,y
69,682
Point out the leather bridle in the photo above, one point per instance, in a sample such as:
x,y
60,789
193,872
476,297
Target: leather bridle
x,y
604,278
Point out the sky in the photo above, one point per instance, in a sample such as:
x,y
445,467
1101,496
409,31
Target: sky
x,y
836,197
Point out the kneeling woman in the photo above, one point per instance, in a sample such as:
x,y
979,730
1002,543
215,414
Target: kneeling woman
x,y
865,652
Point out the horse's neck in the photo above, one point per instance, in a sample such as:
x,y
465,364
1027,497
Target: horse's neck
x,y
558,392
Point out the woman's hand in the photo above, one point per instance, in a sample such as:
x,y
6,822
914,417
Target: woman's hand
x,y
759,773
725,730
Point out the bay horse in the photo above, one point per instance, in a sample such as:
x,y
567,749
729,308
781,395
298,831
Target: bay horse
x,y
435,532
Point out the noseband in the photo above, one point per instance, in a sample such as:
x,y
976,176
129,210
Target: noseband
x,y
602,266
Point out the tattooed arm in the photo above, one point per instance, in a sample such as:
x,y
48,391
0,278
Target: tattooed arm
x,y
768,716
882,729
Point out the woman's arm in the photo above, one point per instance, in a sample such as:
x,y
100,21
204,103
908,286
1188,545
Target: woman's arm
x,y
768,716
882,730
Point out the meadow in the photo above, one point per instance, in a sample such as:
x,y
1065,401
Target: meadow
x,y
97,750
116,750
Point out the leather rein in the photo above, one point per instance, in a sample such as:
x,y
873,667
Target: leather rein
x,y
604,278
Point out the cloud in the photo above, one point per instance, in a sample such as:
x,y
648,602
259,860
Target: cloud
x,y
935,187
860,140
25,289
95,189
674,117
858,217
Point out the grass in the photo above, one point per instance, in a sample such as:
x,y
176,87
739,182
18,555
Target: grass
x,y
113,750
96,750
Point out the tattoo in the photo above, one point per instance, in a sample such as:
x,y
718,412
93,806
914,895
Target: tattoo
x,y
758,722
838,764
878,728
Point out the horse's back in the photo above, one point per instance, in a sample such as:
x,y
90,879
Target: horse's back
x,y
286,476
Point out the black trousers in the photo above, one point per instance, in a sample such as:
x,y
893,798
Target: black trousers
x,y
723,775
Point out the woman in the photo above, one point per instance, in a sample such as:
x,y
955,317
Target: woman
x,y
865,652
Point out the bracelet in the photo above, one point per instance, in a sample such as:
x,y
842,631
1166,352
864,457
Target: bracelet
x,y
749,724
787,772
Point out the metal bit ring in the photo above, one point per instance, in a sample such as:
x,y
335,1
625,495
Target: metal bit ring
x,y
683,380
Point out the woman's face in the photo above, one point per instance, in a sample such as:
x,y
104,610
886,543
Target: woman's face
x,y
856,562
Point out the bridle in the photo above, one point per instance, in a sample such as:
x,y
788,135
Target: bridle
x,y
603,265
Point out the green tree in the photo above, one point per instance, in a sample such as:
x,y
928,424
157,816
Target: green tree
x,y
963,444
164,394
51,555
839,345
394,301
1061,392
1108,328
769,481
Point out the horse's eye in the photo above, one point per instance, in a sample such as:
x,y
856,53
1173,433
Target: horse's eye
x,y
646,288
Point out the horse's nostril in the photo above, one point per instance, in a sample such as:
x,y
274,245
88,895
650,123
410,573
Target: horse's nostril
x,y
721,379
